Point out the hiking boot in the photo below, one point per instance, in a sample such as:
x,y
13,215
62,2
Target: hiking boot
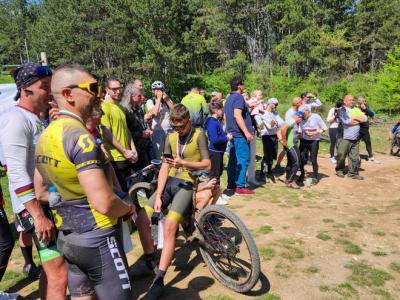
x,y
32,271
243,192
340,174
314,181
356,177
271,177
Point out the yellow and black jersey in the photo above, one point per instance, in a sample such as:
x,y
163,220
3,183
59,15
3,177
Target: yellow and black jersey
x,y
64,149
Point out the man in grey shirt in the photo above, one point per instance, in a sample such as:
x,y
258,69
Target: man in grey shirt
x,y
348,139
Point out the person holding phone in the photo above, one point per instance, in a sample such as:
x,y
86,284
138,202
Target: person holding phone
x,y
185,149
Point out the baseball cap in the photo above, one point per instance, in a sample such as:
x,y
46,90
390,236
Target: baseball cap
x,y
27,74
272,101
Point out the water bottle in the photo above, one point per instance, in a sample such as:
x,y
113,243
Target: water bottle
x,y
54,196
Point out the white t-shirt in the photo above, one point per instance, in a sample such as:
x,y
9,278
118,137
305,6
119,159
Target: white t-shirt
x,y
267,118
19,133
161,121
313,123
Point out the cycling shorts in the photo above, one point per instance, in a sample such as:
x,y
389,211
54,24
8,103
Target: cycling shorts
x,y
47,251
177,197
100,270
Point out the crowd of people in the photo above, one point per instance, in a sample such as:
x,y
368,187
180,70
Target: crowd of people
x,y
69,146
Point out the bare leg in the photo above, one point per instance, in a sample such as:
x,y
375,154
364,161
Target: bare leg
x,y
53,280
143,225
167,253
280,157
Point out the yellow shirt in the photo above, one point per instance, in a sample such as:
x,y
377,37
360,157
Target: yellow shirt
x,y
114,119
63,150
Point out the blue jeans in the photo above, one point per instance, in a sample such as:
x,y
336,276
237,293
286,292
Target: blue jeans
x,y
239,157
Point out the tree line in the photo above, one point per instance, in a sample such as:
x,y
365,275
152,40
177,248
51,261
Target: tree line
x,y
280,45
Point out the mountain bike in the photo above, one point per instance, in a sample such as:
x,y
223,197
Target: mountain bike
x,y
225,243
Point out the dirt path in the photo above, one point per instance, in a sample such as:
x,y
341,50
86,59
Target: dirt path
x,y
337,240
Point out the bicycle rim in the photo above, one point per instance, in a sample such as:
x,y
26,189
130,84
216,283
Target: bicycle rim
x,y
229,249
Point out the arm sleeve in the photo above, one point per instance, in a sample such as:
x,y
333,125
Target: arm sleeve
x,y
105,119
167,145
82,151
331,115
15,148
368,112
316,103
321,123
279,121
216,133
149,104
203,147
204,105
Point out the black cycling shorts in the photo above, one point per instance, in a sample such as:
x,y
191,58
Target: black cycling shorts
x,y
177,197
101,270
47,251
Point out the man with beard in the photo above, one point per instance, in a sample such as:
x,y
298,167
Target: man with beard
x,y
20,128
114,119
87,210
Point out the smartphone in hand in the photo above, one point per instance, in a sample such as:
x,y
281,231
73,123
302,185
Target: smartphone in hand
x,y
168,155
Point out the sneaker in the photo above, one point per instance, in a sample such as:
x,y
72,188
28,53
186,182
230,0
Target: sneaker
x,y
32,271
271,177
221,201
373,160
314,181
356,177
333,160
293,185
9,296
243,192
340,174
155,291
278,169
225,196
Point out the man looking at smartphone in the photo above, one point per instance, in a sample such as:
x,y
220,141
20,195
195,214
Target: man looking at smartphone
x,y
185,149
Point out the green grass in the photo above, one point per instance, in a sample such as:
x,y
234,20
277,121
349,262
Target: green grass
x,y
395,266
312,269
10,278
379,233
323,236
6,79
328,220
355,225
349,247
379,253
269,297
267,253
385,295
290,251
283,270
364,274
265,229
344,290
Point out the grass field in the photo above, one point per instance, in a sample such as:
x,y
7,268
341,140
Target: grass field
x,y
331,241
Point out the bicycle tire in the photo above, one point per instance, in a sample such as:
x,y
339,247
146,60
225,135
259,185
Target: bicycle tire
x,y
136,187
251,247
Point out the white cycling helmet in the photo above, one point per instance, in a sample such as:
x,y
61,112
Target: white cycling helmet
x,y
157,85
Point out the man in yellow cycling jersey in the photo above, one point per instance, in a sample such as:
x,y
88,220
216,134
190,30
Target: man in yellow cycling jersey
x,y
185,149
86,209
197,106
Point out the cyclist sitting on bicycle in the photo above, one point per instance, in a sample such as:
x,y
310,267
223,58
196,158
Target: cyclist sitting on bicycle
x,y
185,149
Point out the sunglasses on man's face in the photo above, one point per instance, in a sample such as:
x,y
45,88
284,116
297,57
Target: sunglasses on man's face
x,y
116,89
180,127
91,87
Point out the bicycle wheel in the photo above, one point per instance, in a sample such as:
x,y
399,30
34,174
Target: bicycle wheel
x,y
229,249
140,192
